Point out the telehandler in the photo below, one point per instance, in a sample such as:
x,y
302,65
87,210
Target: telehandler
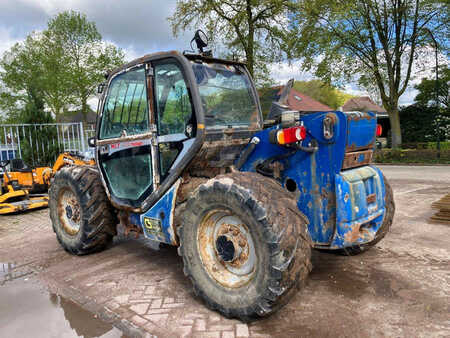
x,y
24,188
184,157
13,197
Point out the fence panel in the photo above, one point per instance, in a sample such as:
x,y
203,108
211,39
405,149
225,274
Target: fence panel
x,y
40,144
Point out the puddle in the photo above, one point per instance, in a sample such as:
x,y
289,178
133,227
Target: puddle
x,y
26,310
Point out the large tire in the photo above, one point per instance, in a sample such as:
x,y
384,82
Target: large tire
x,y
276,249
385,227
82,217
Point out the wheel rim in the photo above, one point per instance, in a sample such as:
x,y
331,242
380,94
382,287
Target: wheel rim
x,y
69,211
226,249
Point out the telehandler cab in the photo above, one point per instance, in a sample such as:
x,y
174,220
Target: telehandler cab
x,y
184,157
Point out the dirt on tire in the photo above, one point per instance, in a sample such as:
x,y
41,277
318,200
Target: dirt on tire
x,y
282,240
98,221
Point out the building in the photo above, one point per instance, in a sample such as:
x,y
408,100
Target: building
x,y
293,99
365,104
77,116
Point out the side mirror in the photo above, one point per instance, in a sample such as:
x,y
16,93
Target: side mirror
x,y
100,88
91,142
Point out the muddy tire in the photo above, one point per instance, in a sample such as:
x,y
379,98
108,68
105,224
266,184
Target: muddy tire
x,y
384,229
244,244
82,217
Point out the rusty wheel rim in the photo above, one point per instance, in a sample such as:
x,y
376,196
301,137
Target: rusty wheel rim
x,y
69,211
226,249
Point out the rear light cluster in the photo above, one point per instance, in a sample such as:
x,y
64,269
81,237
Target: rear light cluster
x,y
379,130
288,135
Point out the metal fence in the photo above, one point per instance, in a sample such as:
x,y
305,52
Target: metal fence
x,y
40,144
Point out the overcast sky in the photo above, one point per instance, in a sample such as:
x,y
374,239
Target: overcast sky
x,y
137,26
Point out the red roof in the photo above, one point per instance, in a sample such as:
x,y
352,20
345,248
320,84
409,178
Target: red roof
x,y
362,103
302,102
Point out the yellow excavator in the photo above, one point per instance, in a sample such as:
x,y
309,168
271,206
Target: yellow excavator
x,y
24,188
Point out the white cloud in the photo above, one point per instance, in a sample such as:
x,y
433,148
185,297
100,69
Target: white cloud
x,y
284,71
6,39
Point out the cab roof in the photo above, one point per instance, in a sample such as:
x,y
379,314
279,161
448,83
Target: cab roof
x,y
173,53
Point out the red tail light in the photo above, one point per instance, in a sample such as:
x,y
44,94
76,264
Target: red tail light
x,y
291,135
379,130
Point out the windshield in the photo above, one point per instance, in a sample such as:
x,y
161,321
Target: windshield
x,y
226,94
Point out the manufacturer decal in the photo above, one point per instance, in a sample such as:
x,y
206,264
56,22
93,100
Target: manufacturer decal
x,y
152,225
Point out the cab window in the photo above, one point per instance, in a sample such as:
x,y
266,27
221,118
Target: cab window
x,y
175,116
125,111
173,101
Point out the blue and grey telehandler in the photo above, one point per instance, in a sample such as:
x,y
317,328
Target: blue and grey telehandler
x,y
184,157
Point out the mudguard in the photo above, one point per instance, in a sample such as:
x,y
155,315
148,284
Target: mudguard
x,y
157,223
360,206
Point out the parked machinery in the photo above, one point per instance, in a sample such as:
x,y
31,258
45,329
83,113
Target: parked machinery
x,y
24,188
184,157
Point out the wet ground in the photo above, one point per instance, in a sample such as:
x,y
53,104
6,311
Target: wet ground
x,y
27,309
401,288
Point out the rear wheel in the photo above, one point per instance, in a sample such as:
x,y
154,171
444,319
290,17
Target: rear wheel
x,y
385,227
82,217
244,245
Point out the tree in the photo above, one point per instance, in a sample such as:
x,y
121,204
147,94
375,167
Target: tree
x,y
371,40
254,29
322,92
419,124
80,53
427,90
63,64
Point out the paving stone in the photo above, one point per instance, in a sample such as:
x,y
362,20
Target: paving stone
x,y
222,327
140,309
200,325
138,320
122,299
228,334
242,330
159,319
156,304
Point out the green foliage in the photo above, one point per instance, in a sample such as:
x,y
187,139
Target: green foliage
x,y
34,113
427,89
367,40
322,92
250,29
64,63
81,52
177,111
266,96
429,156
419,124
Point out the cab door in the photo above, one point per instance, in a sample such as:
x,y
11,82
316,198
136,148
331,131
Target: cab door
x,y
175,116
125,150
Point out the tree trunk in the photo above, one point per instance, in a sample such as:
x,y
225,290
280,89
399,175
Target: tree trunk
x,y
396,132
250,40
84,109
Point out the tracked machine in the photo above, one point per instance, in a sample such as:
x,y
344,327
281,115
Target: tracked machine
x,y
184,157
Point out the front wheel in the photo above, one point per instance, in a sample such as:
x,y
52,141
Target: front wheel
x,y
244,245
82,217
